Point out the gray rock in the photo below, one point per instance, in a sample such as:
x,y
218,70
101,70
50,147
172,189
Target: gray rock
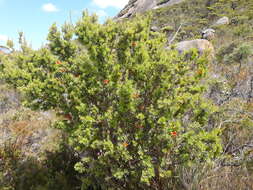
x,y
200,44
136,6
222,21
154,29
140,6
208,34
167,3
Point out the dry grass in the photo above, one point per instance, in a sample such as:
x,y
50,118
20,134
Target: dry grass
x,y
31,131
228,178
243,74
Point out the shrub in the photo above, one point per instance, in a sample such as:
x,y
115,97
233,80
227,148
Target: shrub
x,y
235,53
133,110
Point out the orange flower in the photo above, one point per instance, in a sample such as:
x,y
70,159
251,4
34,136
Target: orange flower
x,y
125,144
173,133
58,62
200,72
106,81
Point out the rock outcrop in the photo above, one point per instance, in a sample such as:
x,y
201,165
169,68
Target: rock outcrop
x,y
201,45
208,34
222,21
140,6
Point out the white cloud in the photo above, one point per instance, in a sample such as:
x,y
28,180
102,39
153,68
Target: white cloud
x,y
101,13
3,38
110,3
49,7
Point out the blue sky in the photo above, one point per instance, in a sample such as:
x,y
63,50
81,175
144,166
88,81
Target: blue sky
x,y
34,17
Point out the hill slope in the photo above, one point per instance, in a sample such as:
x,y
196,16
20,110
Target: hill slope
x,y
190,17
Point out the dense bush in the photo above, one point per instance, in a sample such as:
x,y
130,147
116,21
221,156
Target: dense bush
x,y
132,110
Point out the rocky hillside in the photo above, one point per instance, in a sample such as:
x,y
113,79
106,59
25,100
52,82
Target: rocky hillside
x,y
226,24
140,6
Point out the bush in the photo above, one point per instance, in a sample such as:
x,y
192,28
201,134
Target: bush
x,y
235,53
133,110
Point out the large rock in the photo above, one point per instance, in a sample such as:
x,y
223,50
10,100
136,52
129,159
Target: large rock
x,y
154,29
140,6
208,34
201,45
222,21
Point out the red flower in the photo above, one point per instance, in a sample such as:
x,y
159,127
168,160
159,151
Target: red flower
x,y
173,133
106,81
200,72
125,144
68,117
58,62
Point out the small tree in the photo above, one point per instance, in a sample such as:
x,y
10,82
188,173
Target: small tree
x,y
133,110
240,54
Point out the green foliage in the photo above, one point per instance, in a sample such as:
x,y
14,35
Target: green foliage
x,y
241,53
167,29
235,53
132,109
197,15
191,14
